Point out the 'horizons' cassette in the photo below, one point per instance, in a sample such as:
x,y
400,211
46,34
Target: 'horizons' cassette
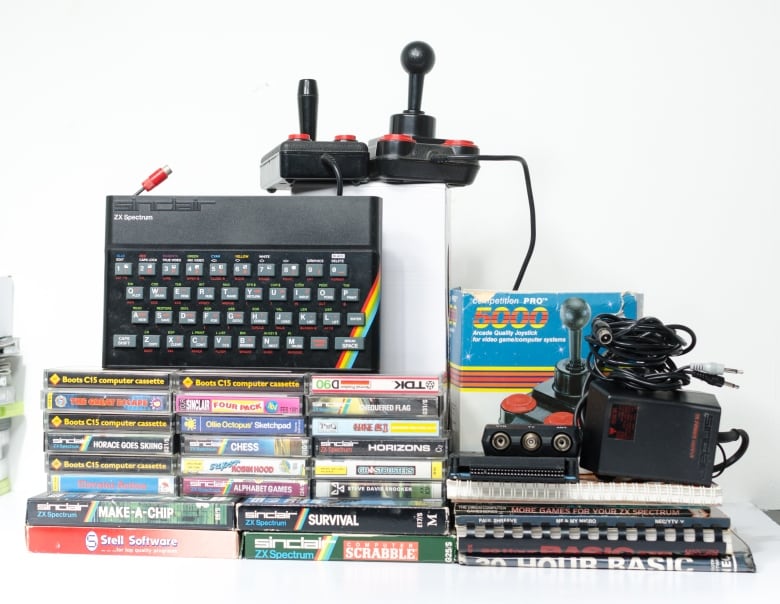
x,y
413,447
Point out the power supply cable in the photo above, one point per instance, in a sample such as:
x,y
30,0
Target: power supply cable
x,y
443,159
727,437
639,353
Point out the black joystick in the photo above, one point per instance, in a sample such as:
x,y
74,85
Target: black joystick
x,y
410,153
308,100
417,59
302,159
564,389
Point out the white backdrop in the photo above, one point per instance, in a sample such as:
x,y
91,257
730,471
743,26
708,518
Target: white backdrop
x,y
651,130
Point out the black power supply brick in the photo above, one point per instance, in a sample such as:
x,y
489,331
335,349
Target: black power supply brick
x,y
667,435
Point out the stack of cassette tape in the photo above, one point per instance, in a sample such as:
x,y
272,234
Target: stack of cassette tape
x,y
9,406
378,437
109,432
242,433
380,446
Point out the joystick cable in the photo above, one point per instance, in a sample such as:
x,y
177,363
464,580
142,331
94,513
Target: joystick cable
x,y
440,158
328,160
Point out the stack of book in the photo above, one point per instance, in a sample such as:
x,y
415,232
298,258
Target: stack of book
x,y
132,525
596,524
360,530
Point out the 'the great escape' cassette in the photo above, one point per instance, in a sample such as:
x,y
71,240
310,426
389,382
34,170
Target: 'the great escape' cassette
x,y
107,400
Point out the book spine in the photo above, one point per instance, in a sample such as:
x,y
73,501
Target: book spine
x,y
740,562
583,491
576,547
564,509
509,521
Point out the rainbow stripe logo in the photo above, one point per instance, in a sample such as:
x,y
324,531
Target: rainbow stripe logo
x,y
370,307
328,545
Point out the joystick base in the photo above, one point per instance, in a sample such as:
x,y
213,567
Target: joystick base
x,y
300,161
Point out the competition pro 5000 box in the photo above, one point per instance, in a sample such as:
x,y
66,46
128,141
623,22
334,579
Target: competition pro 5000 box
x,y
517,357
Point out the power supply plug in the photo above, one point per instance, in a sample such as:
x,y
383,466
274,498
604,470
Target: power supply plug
x,y
154,179
713,380
712,374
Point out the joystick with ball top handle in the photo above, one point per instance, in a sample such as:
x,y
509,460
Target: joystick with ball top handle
x,y
564,389
410,152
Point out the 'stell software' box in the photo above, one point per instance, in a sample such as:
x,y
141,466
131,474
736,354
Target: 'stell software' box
x,y
512,357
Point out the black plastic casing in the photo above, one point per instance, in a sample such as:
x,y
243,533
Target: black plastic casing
x,y
669,436
404,159
301,161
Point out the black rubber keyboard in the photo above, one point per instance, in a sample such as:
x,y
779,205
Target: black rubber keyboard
x,y
278,282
